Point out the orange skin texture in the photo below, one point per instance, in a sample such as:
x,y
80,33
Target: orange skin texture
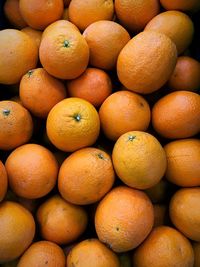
x,y
32,171
186,75
72,124
160,213
183,157
84,13
176,25
12,13
134,114
184,212
141,58
196,248
90,253
35,35
94,85
63,52
105,40
124,218
43,253
60,221
40,92
133,156
3,181
182,5
86,176
134,15
16,125
164,247
17,229
40,13
177,115
18,57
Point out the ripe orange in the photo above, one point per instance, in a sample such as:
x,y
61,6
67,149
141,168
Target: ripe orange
x,y
94,85
38,14
177,115
89,168
183,5
73,123
146,62
16,125
60,221
183,157
3,181
17,229
124,111
139,159
84,13
32,171
12,13
43,253
18,54
196,248
90,253
176,25
124,218
134,15
63,52
186,75
105,40
184,212
164,247
40,92
35,35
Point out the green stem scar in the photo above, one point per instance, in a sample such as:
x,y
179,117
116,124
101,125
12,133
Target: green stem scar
x,y
100,156
131,137
66,43
77,117
6,112
30,72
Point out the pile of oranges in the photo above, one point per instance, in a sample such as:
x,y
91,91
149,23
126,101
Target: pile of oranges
x,y
99,134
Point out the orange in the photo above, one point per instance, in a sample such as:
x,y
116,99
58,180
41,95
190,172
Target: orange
x,y
139,159
35,35
65,14
176,25
40,92
12,13
184,212
90,253
183,157
18,54
60,221
196,248
17,229
43,253
183,5
134,15
160,213
94,85
84,13
124,218
186,75
146,62
3,181
89,168
72,124
16,125
124,111
159,192
177,115
38,14
32,171
105,40
63,51
164,247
